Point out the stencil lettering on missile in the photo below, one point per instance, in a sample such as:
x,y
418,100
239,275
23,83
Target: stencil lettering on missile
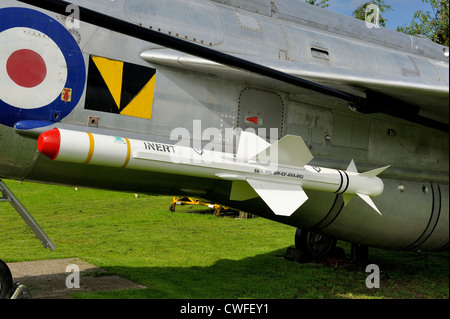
x,y
120,88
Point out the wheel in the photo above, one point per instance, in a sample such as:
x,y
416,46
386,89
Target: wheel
x,y
319,245
6,281
314,244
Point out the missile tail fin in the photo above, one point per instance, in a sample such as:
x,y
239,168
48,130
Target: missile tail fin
x,y
347,199
375,172
369,201
241,190
352,167
283,199
364,197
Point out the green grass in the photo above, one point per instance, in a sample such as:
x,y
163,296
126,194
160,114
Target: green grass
x,y
187,255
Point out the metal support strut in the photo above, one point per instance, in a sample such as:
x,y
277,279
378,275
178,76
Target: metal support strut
x,y
8,196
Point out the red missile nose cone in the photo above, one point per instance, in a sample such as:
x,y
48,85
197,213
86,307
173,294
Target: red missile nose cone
x,y
49,143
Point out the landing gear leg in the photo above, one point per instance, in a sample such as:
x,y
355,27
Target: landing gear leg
x,y
8,196
359,254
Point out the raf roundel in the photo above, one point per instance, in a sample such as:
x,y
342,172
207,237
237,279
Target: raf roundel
x,y
42,69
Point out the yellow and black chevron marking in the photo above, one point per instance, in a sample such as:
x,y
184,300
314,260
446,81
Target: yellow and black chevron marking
x,y
120,88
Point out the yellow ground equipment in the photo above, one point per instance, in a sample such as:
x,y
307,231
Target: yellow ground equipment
x,y
192,201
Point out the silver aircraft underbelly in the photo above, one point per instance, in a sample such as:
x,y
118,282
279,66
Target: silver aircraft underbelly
x,y
195,94
415,214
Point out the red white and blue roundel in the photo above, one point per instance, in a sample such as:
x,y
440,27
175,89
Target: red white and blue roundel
x,y
42,69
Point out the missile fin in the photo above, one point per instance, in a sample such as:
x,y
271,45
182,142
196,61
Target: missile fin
x,y
241,190
369,201
375,172
347,199
250,145
290,150
352,167
283,199
231,177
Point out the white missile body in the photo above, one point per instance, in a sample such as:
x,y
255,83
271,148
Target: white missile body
x,y
277,173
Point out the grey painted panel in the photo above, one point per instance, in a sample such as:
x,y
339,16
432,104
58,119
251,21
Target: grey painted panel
x,y
184,19
257,6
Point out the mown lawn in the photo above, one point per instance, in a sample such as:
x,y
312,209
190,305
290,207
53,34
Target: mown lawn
x,y
198,256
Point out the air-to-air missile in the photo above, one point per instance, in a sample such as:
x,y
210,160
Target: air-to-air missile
x,y
278,173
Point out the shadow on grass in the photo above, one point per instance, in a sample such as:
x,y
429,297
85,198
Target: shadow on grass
x,y
404,275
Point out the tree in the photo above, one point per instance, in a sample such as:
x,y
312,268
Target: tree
x,y
360,12
433,25
317,3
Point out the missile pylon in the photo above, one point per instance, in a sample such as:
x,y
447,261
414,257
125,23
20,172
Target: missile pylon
x,y
277,173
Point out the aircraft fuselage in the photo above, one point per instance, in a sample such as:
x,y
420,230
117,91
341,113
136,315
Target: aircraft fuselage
x,y
89,79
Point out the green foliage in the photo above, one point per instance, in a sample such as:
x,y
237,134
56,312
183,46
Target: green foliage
x,y
433,25
360,12
317,3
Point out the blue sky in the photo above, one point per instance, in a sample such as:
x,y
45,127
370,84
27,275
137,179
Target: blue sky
x,y
402,13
